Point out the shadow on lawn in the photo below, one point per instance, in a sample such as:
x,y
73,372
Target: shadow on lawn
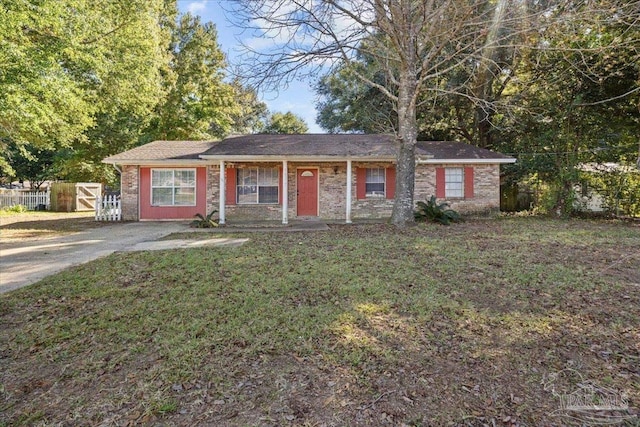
x,y
361,326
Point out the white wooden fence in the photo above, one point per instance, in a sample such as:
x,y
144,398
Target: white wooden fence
x,y
31,199
108,208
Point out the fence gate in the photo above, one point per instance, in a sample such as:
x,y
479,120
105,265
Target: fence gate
x,y
86,195
74,196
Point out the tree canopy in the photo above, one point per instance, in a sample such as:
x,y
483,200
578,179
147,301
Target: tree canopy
x,y
90,79
558,89
279,123
419,53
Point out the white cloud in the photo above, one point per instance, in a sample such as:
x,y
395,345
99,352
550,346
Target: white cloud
x,y
196,7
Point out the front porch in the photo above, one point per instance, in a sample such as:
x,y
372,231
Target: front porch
x,y
329,190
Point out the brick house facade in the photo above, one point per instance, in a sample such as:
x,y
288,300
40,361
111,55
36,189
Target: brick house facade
x,y
277,177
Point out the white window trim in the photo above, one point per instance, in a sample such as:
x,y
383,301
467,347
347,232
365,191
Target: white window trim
x,y
446,191
384,192
257,201
173,170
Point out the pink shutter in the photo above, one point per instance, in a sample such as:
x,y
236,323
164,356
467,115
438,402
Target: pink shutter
x,y
231,186
468,183
390,185
361,183
440,181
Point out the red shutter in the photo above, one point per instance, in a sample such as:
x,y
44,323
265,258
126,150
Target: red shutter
x,y
361,183
280,186
231,186
468,183
390,185
440,181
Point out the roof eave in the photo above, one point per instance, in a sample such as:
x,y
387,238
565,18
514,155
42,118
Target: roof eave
x,y
160,162
280,158
466,161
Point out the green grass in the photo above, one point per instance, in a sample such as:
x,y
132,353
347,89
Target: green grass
x,y
358,326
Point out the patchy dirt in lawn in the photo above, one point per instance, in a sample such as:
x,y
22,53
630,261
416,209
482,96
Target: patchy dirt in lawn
x,y
510,322
42,225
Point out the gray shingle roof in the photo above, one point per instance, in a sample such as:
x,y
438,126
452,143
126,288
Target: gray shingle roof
x,y
303,145
451,150
333,145
162,151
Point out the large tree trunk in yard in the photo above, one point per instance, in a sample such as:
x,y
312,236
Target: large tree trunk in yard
x,y
406,165
405,181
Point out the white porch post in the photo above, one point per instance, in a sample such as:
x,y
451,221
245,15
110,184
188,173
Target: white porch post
x,y
348,221
223,193
285,192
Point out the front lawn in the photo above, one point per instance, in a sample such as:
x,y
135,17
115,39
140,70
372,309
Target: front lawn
x,y
489,322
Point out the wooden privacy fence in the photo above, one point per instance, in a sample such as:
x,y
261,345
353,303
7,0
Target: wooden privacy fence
x,y
31,199
108,208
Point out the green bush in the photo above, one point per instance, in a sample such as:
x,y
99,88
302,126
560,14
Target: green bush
x,y
205,221
15,209
620,189
435,212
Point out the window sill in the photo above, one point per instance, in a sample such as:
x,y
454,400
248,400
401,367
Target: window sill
x,y
256,204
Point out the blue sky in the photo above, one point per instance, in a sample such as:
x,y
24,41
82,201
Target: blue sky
x,y
298,98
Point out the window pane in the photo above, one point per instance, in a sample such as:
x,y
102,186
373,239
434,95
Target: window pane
x,y
247,176
162,178
185,178
268,195
453,182
247,193
375,189
374,185
453,174
375,176
161,196
185,196
268,177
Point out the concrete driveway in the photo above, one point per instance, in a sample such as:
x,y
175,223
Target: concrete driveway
x,y
25,262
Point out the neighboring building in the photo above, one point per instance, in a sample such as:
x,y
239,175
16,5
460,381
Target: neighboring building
x,y
277,177
607,187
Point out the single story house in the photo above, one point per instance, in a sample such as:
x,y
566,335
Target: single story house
x,y
277,177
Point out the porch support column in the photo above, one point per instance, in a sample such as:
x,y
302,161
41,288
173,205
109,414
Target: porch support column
x,y
285,192
222,194
348,221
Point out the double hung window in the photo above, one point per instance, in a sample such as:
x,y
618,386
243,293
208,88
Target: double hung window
x,y
173,187
454,182
257,185
375,182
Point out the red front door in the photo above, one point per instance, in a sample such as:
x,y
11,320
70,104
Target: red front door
x,y
307,192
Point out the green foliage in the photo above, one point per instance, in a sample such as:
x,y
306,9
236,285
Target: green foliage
x,y
205,221
620,189
15,209
199,104
347,104
86,80
82,76
31,163
285,123
572,102
251,113
435,212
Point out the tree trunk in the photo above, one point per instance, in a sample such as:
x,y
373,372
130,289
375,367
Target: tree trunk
x,y
402,214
